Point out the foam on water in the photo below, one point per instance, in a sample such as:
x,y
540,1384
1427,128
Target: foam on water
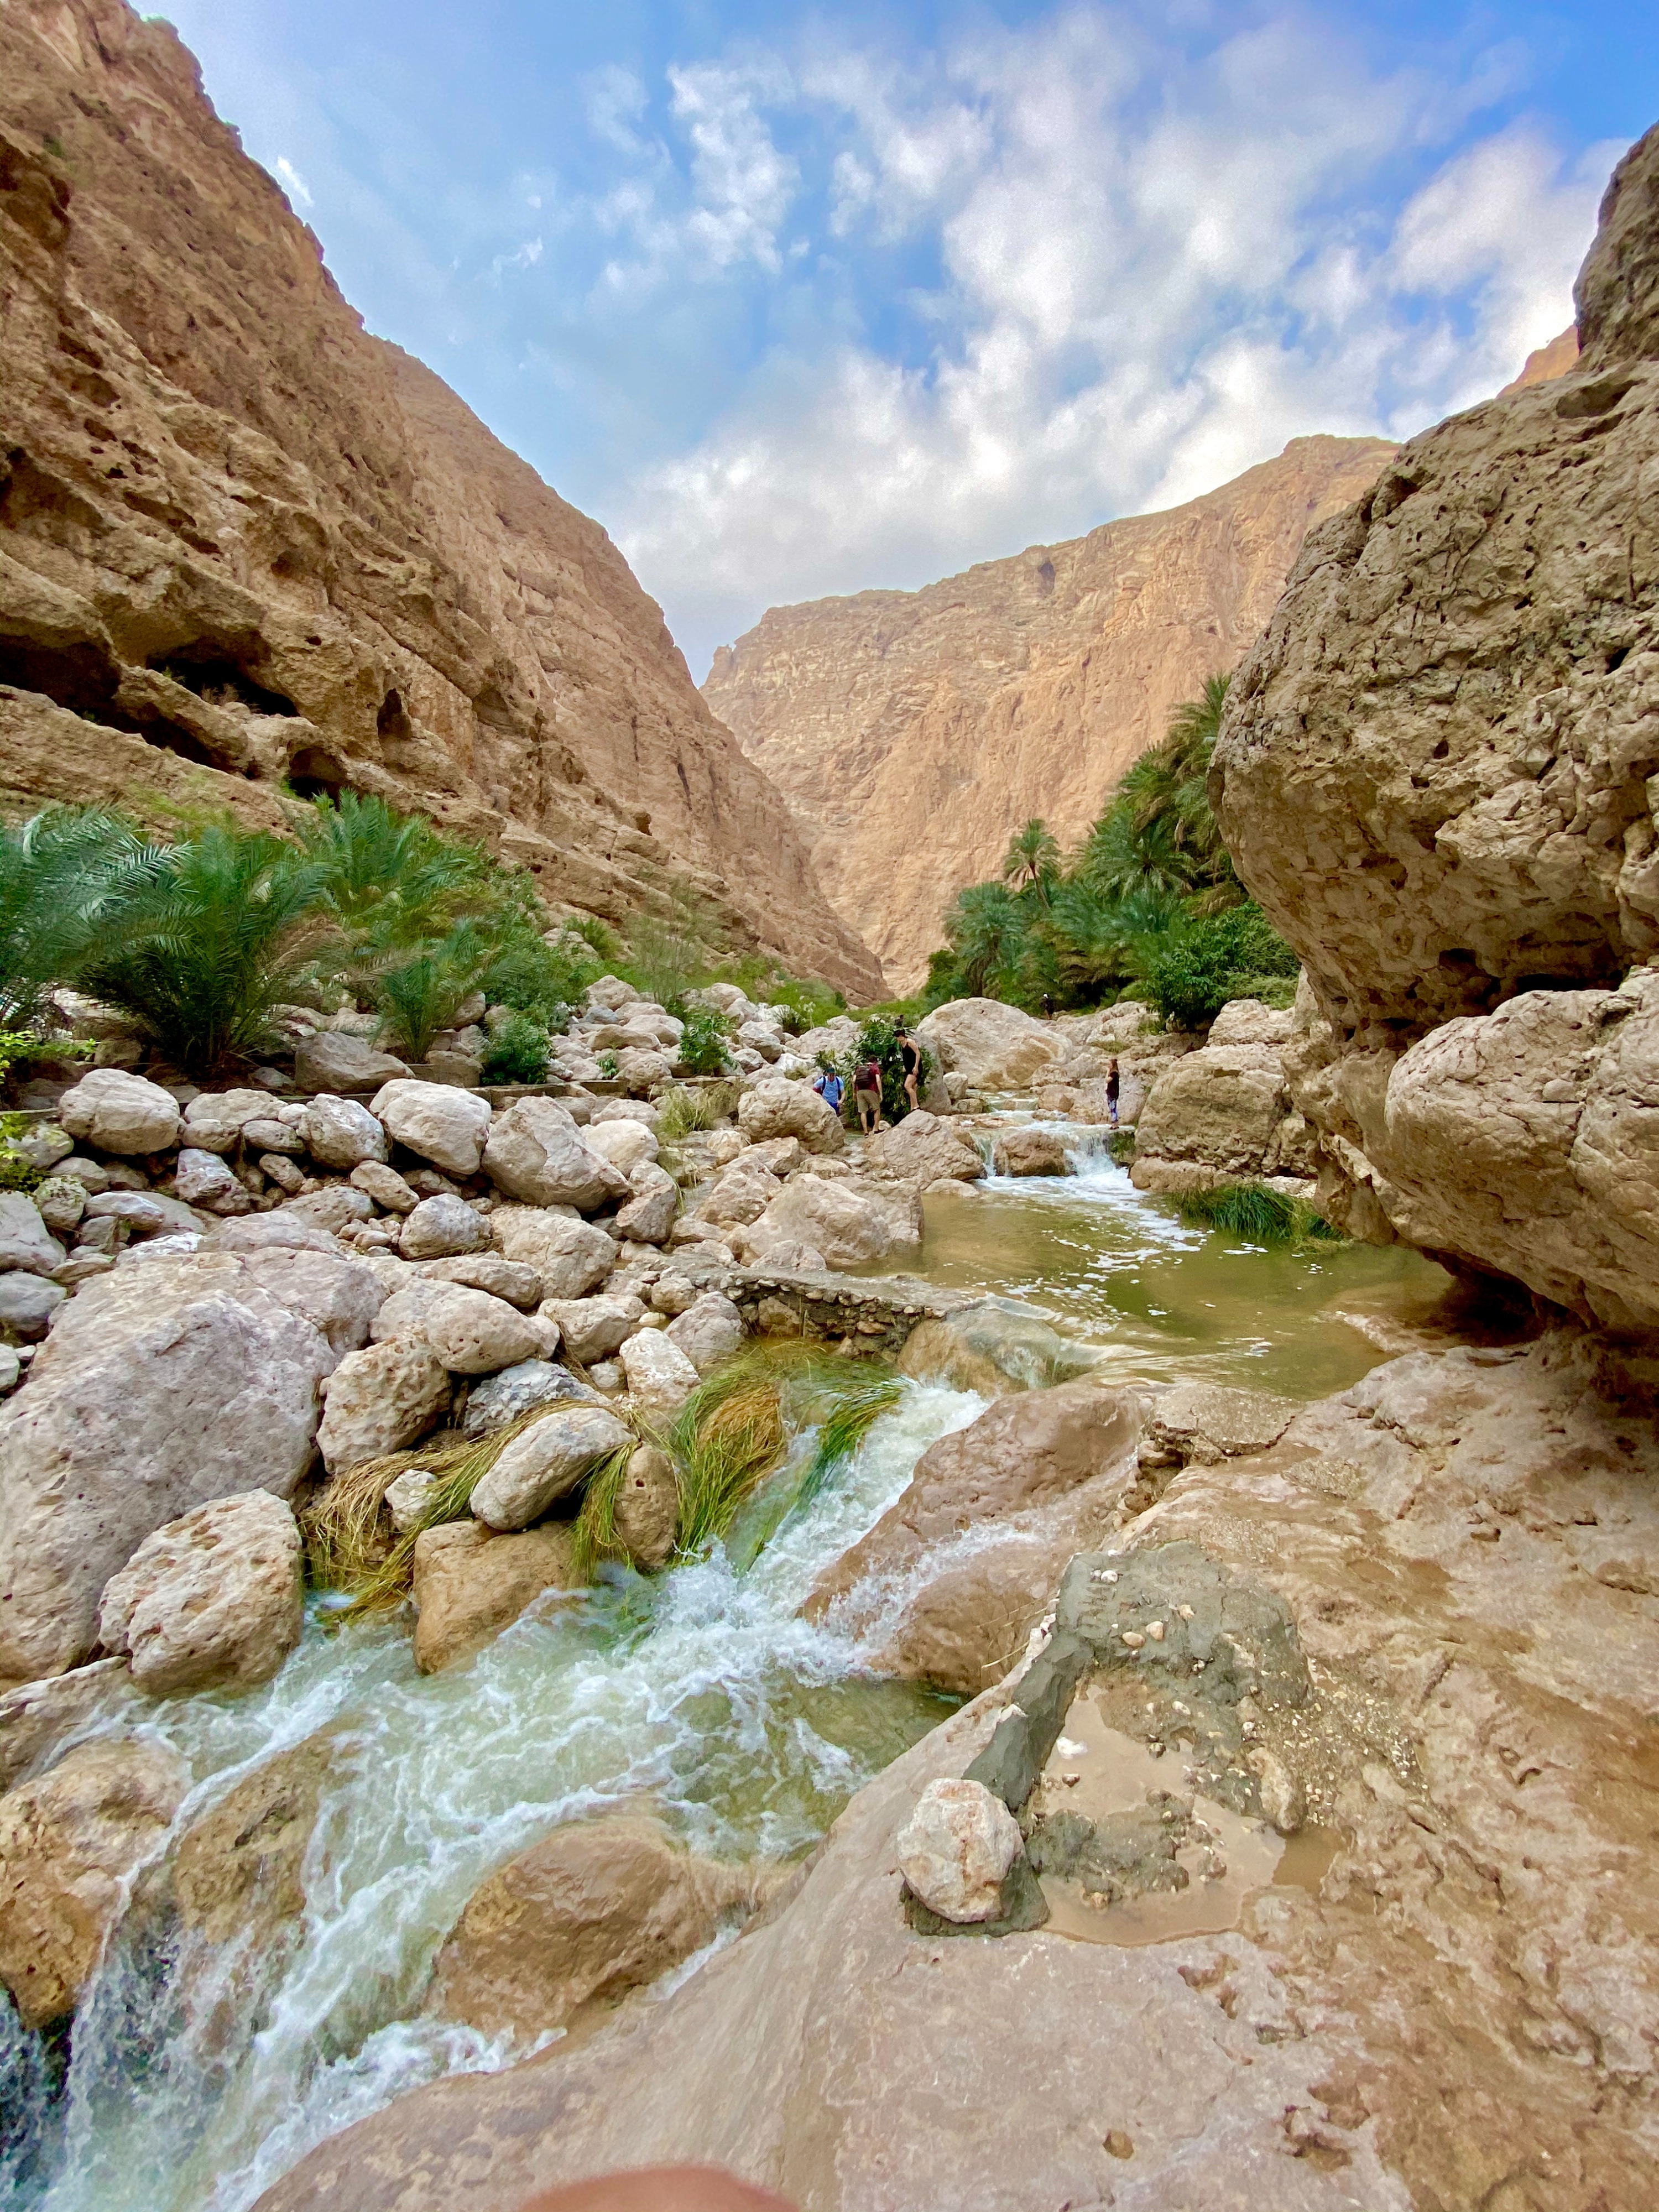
x,y
703,1692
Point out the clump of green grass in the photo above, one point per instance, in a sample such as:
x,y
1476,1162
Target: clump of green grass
x,y
1256,1213
596,1536
1121,1146
682,1110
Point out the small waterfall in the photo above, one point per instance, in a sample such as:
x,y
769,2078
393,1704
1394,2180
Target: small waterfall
x,y
198,2078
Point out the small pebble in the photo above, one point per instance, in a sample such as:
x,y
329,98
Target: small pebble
x,y
1133,1639
1185,1611
1155,1630
1110,1575
1118,2144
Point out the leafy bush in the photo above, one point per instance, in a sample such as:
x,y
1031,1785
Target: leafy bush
x,y
1256,1213
16,1172
421,996
392,880
544,981
703,1048
879,1041
198,941
609,1067
1191,969
809,1005
519,1054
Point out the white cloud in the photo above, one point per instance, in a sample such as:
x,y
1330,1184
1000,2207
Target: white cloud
x,y
297,186
1153,267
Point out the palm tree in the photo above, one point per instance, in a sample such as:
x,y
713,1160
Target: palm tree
x,y
200,940
1032,858
389,879
987,931
1158,833
56,872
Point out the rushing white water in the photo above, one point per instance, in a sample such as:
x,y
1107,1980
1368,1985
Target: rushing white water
x,y
704,1694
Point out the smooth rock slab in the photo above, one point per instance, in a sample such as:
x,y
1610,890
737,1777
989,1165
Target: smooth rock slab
x,y
956,1849
211,1601
544,1464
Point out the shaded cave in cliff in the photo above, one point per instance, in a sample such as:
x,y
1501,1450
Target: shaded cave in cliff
x,y
314,774
83,679
220,677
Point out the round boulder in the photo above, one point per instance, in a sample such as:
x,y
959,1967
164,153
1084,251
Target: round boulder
x,y
120,1112
956,1849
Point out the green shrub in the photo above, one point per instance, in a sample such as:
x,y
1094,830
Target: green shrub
x,y
1256,1213
57,874
703,1048
1189,971
543,981
16,1172
809,1005
609,1067
879,1041
682,1110
519,1054
423,995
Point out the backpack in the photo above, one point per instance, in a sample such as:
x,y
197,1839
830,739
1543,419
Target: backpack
x,y
870,1076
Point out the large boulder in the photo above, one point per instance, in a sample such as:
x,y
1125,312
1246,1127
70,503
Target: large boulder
x,y
847,1225
436,1123
572,1257
69,1843
381,1400
331,1060
1462,847
470,1584
26,1242
623,1142
467,1331
120,1112
924,1148
708,1330
593,1328
211,1601
341,1133
546,1462
511,1279
597,1909
202,1179
535,1152
1222,1107
1034,1148
996,1047
660,1377
441,1228
949,1582
740,1194
339,1296
649,1216
161,1387
779,1109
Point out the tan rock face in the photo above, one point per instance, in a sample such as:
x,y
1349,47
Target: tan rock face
x,y
210,1601
249,541
470,1585
598,1909
67,1843
1437,774
913,732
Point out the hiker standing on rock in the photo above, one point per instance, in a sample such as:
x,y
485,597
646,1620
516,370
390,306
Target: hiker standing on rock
x,y
910,1059
828,1085
866,1095
1114,1084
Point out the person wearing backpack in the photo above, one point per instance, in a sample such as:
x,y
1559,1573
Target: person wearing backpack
x,y
829,1086
866,1095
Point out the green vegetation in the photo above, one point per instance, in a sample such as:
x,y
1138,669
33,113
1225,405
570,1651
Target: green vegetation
x,y
16,1172
1149,905
703,1048
878,1040
682,1110
57,874
519,1054
1258,1213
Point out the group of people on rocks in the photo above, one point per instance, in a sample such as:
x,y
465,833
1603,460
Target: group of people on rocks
x,y
866,1082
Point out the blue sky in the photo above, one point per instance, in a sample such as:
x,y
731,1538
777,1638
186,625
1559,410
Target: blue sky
x,y
800,301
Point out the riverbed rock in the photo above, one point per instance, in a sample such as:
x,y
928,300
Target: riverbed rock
x,y
68,1841
925,1148
594,1328
341,1133
648,1510
1223,1109
598,1908
120,1112
740,1195
470,1584
37,1717
992,1346
384,1186
511,1279
26,1242
381,1400
623,1142
948,1584
850,1226
956,1849
649,1216
435,1121
546,1462
210,1601
337,1205
707,1331
661,1376
572,1257
202,1179
331,1060
537,1153
338,1294
236,1878
1205,1423
470,1333
441,1228
27,1305
777,1109
499,1399
159,1388
995,1046
1030,1150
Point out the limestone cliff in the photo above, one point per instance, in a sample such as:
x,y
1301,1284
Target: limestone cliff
x,y
241,540
911,732
1439,772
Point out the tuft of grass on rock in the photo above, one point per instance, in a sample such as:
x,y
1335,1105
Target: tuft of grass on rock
x,y
596,1536
1258,1213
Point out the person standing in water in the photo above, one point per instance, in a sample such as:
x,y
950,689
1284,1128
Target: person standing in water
x,y
910,1059
1114,1085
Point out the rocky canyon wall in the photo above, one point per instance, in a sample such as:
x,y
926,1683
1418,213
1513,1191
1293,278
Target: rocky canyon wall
x,y
1439,772
242,541
912,731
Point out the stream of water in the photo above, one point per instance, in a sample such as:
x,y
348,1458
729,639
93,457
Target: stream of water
x,y
704,1694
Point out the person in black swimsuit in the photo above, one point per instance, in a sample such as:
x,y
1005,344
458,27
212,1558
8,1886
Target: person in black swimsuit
x,y
1113,1086
910,1058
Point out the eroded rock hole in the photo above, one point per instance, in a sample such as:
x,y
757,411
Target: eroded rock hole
x,y
83,679
214,675
314,774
